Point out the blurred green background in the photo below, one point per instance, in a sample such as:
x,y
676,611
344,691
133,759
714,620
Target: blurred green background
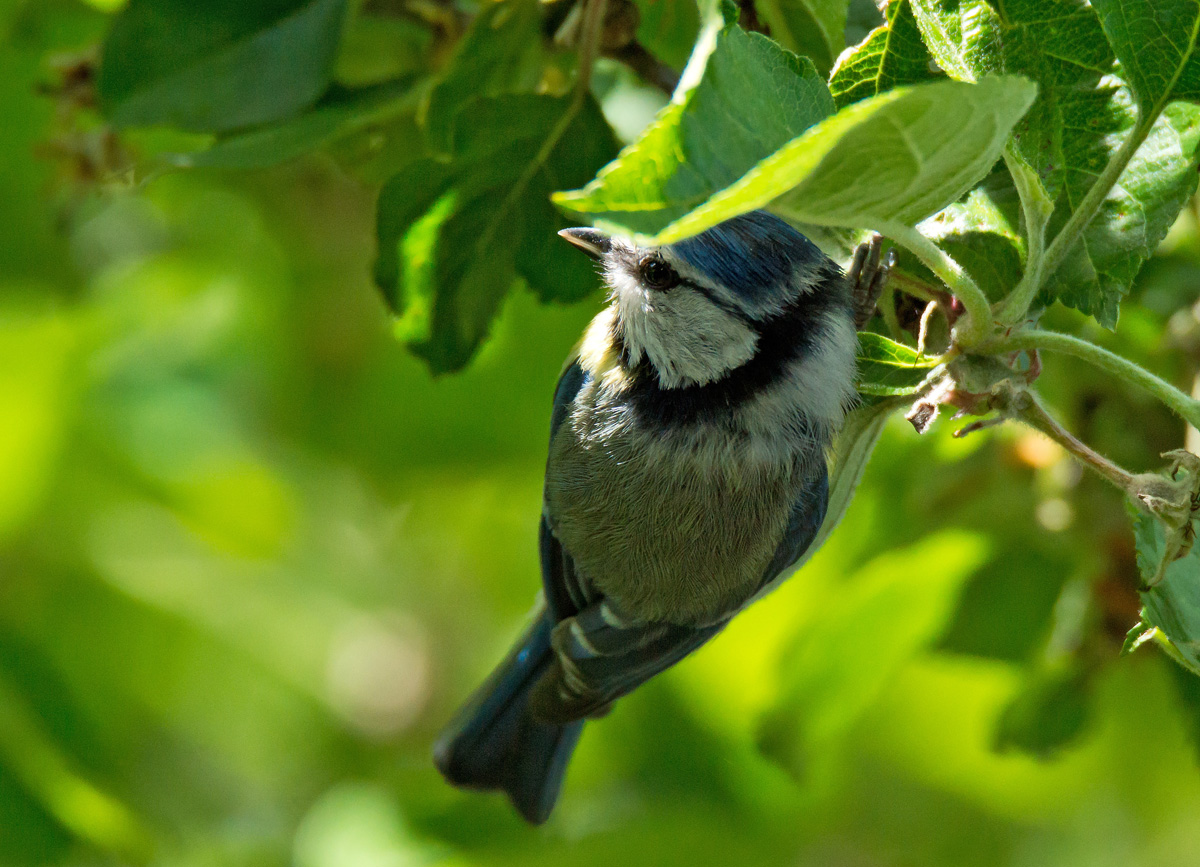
x,y
252,555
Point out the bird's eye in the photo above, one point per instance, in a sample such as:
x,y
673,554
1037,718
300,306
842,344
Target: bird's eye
x,y
657,274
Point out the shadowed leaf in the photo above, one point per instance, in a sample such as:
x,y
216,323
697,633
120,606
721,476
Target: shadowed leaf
x,y
887,368
455,236
811,28
217,66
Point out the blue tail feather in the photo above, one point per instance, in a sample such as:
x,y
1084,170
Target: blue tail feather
x,y
495,743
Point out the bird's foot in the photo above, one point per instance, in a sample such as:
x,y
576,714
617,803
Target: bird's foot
x,y
867,276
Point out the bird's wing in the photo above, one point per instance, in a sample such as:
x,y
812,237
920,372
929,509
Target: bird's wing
x,y
569,382
600,655
565,592
808,511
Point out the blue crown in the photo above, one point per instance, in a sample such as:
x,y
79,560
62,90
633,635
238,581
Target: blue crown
x,y
755,255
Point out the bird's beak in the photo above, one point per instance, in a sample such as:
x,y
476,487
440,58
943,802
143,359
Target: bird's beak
x,y
591,241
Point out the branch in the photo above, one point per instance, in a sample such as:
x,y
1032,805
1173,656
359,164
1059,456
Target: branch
x,y
646,65
1185,406
589,45
1029,409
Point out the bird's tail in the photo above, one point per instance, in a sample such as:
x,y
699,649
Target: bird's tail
x,y
495,743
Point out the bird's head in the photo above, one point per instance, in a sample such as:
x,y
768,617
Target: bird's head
x,y
701,308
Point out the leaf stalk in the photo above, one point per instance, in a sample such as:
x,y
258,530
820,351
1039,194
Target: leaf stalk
x,y
1185,406
1018,304
1036,209
975,327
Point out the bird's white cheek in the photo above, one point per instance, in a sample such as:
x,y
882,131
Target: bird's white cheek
x,y
685,337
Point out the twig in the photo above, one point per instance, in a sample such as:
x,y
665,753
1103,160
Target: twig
x,y
650,68
887,309
1036,208
1029,409
589,44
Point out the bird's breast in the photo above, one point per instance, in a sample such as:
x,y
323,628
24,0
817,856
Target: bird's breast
x,y
669,529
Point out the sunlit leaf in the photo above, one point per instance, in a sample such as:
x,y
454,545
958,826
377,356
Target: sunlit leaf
x,y
753,98
1140,209
893,158
1156,43
1076,124
1058,44
887,368
37,381
890,56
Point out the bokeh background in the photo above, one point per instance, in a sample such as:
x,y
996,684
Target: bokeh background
x,y
252,555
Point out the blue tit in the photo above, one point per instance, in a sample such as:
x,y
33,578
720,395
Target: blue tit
x,y
686,474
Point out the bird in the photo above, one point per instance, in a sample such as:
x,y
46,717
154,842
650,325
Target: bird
x,y
686,475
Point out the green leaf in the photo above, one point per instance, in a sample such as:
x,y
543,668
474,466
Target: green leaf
x,y
500,54
339,114
1072,131
455,236
220,65
668,29
1173,604
377,49
1156,44
753,98
38,357
1187,689
811,28
1058,44
894,158
887,368
1138,212
890,56
875,621
1048,713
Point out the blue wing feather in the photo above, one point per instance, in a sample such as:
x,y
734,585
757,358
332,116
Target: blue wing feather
x,y
808,512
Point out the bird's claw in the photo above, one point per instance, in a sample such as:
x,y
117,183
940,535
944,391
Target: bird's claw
x,y
867,277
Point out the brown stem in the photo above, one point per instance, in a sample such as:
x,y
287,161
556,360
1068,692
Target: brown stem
x,y
648,67
918,288
1030,410
589,42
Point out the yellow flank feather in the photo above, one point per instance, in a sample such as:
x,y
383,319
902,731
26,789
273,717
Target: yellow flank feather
x,y
597,355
